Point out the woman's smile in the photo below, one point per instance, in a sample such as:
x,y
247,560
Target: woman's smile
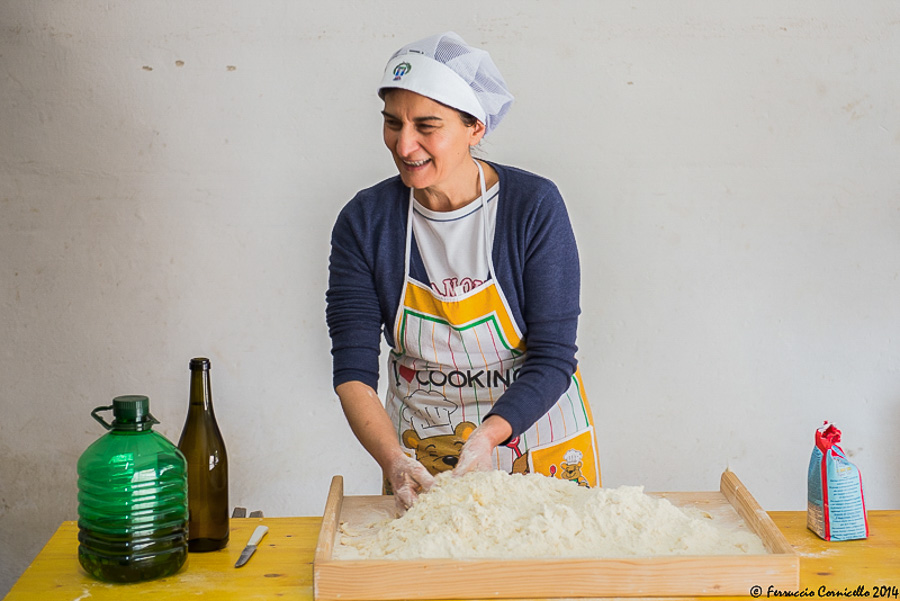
x,y
415,164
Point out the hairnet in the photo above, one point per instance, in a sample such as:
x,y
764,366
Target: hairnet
x,y
446,69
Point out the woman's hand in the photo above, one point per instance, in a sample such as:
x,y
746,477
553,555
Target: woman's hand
x,y
373,428
408,478
476,454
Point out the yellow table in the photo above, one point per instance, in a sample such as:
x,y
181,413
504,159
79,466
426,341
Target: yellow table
x,y
282,566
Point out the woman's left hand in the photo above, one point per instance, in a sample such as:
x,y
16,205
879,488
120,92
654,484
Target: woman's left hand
x,y
476,454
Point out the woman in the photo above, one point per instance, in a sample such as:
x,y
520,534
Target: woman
x,y
470,269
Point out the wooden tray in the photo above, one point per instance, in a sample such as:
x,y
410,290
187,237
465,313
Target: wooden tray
x,y
669,575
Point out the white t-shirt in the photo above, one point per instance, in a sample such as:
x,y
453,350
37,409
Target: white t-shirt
x,y
452,244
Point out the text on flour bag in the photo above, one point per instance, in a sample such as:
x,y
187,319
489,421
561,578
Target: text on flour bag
x,y
836,508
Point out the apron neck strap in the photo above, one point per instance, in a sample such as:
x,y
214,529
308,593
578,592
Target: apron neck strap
x,y
484,217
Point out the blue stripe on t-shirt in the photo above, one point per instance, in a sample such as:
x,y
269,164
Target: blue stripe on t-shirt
x,y
448,220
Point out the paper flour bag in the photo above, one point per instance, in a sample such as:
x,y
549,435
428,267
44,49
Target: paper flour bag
x,y
836,509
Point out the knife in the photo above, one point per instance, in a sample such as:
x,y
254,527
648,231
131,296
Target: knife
x,y
258,534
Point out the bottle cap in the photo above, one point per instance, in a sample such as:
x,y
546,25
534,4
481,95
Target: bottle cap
x,y
200,363
131,408
130,412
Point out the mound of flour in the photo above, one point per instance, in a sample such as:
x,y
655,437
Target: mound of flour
x,y
498,515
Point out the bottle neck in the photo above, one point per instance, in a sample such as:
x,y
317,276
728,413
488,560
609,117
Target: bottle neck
x,y
201,393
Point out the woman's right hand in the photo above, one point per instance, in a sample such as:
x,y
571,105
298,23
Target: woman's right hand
x,y
408,478
376,432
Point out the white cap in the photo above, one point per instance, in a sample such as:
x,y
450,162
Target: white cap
x,y
446,69
429,413
573,456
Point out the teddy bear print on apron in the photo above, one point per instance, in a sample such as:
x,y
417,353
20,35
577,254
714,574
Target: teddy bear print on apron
x,y
453,358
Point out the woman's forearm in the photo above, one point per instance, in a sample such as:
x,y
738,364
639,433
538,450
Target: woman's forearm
x,y
369,422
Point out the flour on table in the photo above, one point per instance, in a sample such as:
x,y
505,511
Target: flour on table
x,y
498,515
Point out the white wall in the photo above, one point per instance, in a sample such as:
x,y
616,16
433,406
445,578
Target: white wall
x,y
170,171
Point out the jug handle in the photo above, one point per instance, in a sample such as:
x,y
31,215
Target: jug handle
x,y
102,421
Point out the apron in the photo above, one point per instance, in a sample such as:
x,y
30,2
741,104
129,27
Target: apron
x,y
453,358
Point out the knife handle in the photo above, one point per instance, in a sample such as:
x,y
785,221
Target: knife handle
x,y
258,534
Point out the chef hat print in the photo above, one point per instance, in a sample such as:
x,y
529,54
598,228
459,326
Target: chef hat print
x,y
429,412
573,456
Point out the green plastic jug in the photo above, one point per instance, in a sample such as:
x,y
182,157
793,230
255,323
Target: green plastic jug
x,y
132,498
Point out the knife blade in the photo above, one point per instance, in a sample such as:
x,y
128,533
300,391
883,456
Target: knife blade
x,y
257,536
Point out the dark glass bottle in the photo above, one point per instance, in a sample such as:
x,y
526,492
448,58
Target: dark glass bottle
x,y
203,447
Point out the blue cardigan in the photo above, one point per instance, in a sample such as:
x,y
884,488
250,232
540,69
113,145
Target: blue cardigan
x,y
535,261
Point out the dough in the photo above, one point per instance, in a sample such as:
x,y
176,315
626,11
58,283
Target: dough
x,y
498,515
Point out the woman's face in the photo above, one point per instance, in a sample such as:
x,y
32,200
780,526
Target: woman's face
x,y
429,141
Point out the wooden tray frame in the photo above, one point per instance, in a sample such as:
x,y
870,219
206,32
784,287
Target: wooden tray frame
x,y
364,580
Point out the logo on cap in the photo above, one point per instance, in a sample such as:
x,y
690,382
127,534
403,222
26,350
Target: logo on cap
x,y
401,70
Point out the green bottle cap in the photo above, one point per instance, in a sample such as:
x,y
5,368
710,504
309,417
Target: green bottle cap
x,y
131,409
130,412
